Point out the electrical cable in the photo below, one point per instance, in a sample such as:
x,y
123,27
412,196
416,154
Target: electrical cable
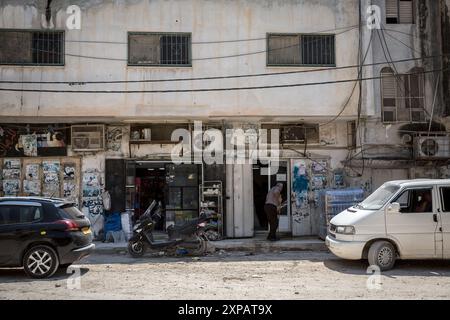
x,y
214,89
72,83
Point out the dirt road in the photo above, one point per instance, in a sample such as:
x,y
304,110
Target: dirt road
x,y
288,275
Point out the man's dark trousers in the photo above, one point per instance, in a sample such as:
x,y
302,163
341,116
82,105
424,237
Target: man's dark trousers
x,y
272,217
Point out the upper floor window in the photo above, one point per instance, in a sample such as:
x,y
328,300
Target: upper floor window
x,y
403,97
159,49
400,11
300,50
31,47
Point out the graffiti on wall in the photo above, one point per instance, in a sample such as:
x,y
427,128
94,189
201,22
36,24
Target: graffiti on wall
x,y
92,192
300,187
114,136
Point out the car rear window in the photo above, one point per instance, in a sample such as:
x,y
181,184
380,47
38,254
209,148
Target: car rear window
x,y
70,212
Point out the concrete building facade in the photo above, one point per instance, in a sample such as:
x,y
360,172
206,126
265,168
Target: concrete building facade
x,y
102,101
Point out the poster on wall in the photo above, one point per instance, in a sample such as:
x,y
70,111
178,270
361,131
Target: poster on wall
x,y
47,141
92,192
69,171
28,143
32,187
32,171
11,174
50,169
11,187
299,198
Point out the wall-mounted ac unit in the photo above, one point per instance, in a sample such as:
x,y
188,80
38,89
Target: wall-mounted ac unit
x,y
88,137
432,147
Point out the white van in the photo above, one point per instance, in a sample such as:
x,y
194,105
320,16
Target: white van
x,y
402,219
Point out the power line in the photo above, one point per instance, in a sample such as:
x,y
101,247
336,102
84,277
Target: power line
x,y
398,40
217,77
211,89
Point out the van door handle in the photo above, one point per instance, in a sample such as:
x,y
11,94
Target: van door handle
x,y
435,217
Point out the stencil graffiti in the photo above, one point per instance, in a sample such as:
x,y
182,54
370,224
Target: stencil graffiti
x,y
92,191
69,171
114,138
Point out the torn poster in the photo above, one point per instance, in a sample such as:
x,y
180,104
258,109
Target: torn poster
x,y
32,171
29,144
51,166
32,187
11,164
11,174
11,187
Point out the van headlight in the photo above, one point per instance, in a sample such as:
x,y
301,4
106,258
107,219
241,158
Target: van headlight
x,y
345,229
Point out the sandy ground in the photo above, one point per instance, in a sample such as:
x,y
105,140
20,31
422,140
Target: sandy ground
x,y
285,275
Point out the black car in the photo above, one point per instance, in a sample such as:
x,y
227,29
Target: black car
x,y
42,234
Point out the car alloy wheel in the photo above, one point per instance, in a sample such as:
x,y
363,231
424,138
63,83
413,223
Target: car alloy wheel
x,y
40,262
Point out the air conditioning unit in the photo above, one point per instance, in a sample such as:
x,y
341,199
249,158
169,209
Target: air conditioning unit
x,y
432,147
88,137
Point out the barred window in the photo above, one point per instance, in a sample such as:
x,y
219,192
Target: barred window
x,y
301,49
403,96
400,11
159,49
29,47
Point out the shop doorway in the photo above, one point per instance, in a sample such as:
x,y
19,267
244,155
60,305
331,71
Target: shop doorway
x,y
175,186
261,186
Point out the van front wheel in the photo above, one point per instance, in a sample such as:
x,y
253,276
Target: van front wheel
x,y
383,255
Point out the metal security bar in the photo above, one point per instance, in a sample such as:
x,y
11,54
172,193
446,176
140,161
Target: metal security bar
x,y
301,50
31,47
159,49
318,50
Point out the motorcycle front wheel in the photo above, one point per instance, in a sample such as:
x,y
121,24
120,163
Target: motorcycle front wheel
x,y
136,248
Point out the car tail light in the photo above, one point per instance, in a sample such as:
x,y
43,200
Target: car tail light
x,y
70,225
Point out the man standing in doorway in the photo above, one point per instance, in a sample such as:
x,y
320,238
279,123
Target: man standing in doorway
x,y
272,206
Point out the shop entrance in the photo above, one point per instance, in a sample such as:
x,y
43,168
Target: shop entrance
x,y
261,186
175,186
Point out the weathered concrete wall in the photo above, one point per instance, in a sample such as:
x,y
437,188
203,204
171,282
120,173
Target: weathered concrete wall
x,y
405,41
219,20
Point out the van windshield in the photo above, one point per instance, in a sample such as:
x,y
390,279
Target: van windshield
x,y
378,199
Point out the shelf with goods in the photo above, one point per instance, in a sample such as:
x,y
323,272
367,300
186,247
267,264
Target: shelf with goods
x,y
333,202
211,202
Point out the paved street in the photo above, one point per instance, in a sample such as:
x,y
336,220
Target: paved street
x,y
237,275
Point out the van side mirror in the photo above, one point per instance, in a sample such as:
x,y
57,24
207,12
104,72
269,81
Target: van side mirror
x,y
393,207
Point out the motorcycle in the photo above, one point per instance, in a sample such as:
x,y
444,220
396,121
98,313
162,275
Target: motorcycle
x,y
188,236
